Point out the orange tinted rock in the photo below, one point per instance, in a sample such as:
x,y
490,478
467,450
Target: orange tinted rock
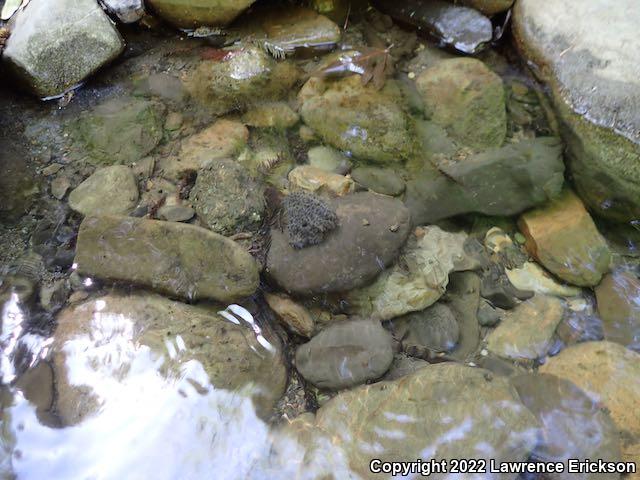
x,y
563,238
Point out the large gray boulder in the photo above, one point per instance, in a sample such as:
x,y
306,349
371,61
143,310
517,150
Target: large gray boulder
x,y
173,258
586,51
55,44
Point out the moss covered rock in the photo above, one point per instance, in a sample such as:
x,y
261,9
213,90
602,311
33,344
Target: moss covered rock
x,y
467,99
243,77
121,130
371,124
585,52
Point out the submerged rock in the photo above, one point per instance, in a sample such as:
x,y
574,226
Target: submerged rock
x,y
173,258
467,99
18,182
563,238
586,53
346,354
418,281
271,115
370,124
291,314
372,229
121,130
525,333
462,28
608,373
294,28
329,159
242,78
573,424
227,199
379,180
503,181
232,356
196,13
443,411
435,328
220,140
618,297
56,44
533,278
314,179
109,191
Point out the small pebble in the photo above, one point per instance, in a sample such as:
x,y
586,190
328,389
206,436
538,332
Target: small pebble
x,y
394,228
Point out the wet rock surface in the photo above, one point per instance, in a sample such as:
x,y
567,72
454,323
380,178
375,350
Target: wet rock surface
x,y
379,180
504,181
243,77
573,424
225,350
227,199
419,280
346,354
370,124
525,333
467,99
351,255
109,191
434,328
462,28
618,297
56,44
121,130
483,411
563,237
608,373
575,48
177,259
196,13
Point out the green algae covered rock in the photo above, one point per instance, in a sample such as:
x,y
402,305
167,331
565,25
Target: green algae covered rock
x,y
121,130
242,78
371,124
467,99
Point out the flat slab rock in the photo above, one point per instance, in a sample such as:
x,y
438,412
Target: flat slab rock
x,y
172,258
372,229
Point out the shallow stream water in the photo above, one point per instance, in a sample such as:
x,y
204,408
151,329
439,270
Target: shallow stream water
x,y
157,377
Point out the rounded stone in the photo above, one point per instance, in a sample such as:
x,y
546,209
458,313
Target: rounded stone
x,y
109,191
371,230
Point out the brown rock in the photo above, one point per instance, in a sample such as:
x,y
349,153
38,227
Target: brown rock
x,y
563,237
526,332
173,258
609,373
291,314
618,297
220,140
